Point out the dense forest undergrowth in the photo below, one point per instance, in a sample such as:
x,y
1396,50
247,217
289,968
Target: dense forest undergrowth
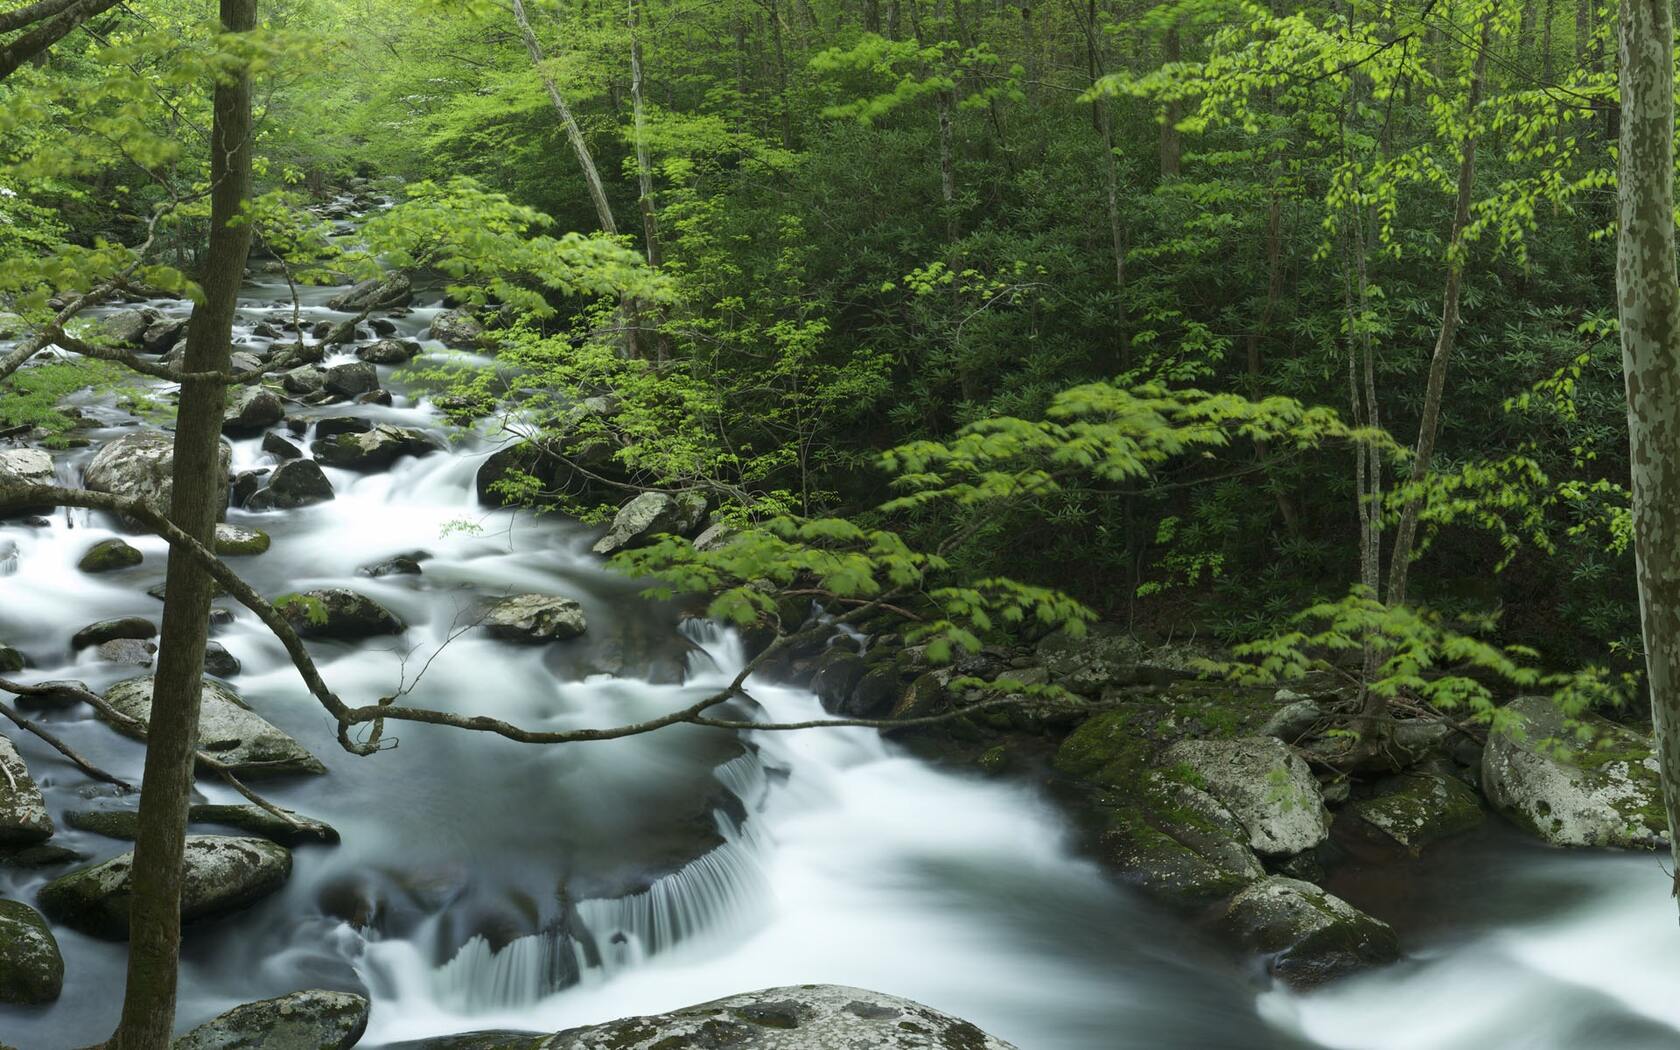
x,y
1127,395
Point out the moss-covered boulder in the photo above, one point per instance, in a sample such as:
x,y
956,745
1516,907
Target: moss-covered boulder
x,y
1412,811
238,541
311,1020
1110,748
373,449
1592,783
31,968
290,830
1172,840
227,729
338,613
1309,936
1264,784
222,874
24,820
109,556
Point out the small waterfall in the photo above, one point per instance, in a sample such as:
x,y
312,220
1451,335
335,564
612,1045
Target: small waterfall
x,y
525,970
723,890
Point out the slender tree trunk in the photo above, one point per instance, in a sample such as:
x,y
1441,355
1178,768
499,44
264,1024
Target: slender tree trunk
x,y
1649,300
644,166
1172,146
148,1015
52,23
574,134
1405,532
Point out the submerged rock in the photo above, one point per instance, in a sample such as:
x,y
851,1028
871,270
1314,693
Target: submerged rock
x,y
535,618
798,1017
396,565
222,874
1600,789
312,1020
24,820
1264,784
219,662
109,556
259,821
31,968
337,613
1310,936
140,466
374,449
649,515
228,729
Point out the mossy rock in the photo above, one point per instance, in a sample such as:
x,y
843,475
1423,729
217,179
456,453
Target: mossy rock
x,y
237,541
109,556
310,1020
1309,936
1412,811
1588,783
31,968
1173,841
1111,748
11,661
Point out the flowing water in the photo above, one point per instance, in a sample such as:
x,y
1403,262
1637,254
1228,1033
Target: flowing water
x,y
484,884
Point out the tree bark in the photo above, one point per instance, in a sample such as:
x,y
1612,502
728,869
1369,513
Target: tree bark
x,y
1405,532
57,22
574,134
1648,296
1172,146
148,1014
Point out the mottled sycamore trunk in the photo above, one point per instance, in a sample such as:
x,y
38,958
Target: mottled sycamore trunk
x,y
1648,299
148,1014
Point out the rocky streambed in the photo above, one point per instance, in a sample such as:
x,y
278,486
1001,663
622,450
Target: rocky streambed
x,y
1177,869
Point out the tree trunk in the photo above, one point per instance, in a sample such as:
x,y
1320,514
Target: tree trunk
x,y
1405,532
1171,144
644,167
148,1015
574,134
52,23
1649,301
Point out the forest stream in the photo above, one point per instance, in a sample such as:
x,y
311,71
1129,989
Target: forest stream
x,y
536,888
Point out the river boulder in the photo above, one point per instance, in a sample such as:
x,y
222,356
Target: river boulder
x,y
535,619
133,627
1173,841
393,289
651,514
250,410
228,729
1267,786
797,1017
374,449
31,968
349,379
140,466
457,330
294,483
388,351
1593,783
161,335
304,379
1412,811
109,556
311,1020
222,874
239,541
337,613
24,466
126,328
24,820
1309,936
